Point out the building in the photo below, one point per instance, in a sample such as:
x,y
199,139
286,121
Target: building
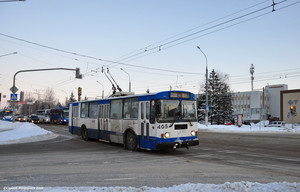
x,y
253,105
290,98
273,91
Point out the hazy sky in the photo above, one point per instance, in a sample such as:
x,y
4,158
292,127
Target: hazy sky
x,y
153,41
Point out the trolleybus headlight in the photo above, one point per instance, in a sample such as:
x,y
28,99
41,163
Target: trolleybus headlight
x,y
193,133
165,135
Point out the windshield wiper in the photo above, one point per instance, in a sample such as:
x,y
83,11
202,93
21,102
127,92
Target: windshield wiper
x,y
176,117
191,124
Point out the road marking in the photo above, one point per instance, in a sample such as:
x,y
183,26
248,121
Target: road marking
x,y
120,179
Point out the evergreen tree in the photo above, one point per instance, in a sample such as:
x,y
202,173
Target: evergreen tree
x,y
220,105
71,99
201,107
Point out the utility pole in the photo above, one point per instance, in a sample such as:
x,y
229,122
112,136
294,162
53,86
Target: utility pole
x,y
102,89
252,77
206,90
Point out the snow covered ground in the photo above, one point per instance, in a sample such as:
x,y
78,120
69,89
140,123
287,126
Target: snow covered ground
x,y
251,128
189,187
27,132
20,132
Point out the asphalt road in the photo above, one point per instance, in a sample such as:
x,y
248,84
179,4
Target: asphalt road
x,y
220,158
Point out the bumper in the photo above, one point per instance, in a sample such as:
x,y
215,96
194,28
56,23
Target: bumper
x,y
174,145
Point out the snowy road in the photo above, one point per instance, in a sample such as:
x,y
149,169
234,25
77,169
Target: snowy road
x,y
220,158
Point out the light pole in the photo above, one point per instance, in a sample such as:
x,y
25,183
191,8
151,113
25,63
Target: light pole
x,y
129,79
102,89
206,89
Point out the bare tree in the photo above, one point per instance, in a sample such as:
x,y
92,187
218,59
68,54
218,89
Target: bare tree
x,y
49,98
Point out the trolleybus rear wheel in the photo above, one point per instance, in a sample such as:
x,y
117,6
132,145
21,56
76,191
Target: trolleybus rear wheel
x,y
84,134
131,141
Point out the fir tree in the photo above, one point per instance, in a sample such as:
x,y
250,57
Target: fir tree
x,y
71,99
220,105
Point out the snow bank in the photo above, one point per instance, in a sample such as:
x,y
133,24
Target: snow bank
x,y
250,128
22,132
226,187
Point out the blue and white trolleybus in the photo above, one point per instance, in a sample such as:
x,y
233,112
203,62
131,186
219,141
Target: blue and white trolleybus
x,y
152,121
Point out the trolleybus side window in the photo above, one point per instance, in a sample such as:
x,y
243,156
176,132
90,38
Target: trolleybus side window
x,y
147,110
93,110
116,109
153,111
75,111
142,110
84,110
101,111
131,108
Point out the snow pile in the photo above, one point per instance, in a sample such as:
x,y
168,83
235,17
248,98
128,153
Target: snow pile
x,y
228,187
251,128
22,132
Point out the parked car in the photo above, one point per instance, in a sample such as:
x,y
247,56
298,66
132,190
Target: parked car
x,y
34,119
276,124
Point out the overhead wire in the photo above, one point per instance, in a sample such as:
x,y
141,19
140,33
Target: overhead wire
x,y
156,47
146,48
171,43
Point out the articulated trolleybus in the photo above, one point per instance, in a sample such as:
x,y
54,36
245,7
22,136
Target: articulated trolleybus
x,y
164,120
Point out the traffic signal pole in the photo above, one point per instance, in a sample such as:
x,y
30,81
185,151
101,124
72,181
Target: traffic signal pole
x,y
292,110
14,89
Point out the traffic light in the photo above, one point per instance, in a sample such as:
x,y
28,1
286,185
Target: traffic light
x,y
293,110
78,75
79,91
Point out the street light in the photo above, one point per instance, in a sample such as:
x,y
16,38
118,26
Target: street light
x,y
129,79
102,89
206,91
9,54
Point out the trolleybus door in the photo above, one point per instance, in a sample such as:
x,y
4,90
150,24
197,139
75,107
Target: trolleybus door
x,y
74,119
103,122
145,115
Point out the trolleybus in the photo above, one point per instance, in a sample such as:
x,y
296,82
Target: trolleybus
x,y
164,120
6,115
59,115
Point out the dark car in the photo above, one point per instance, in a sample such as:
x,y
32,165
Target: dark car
x,y
34,119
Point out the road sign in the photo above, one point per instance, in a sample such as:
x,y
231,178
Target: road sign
x,y
13,97
207,108
14,89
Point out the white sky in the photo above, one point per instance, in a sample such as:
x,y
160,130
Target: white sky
x,y
110,29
